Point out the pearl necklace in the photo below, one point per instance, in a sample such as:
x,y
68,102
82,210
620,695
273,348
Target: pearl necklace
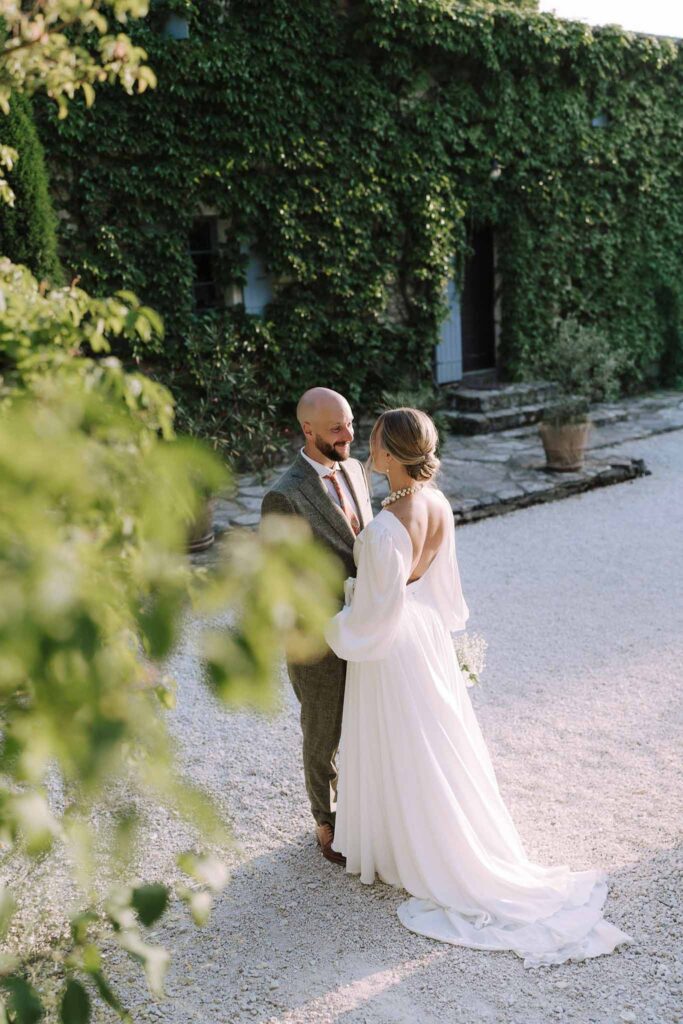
x,y
395,495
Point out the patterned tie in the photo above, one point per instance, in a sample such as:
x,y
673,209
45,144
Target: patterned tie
x,y
345,507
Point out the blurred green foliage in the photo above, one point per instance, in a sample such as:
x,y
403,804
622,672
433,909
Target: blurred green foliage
x,y
66,47
96,496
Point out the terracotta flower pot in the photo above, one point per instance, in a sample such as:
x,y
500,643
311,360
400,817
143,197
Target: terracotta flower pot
x,y
565,445
200,534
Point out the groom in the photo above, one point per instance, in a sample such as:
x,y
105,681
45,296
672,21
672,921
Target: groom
x,y
330,491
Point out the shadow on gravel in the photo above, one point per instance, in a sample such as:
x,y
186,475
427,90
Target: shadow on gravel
x,y
294,940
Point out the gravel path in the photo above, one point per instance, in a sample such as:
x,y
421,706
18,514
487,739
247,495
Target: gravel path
x,y
582,605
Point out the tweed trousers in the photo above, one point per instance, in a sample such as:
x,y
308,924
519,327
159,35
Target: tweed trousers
x,y
319,686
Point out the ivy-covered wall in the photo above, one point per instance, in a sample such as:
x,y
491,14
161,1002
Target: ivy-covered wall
x,y
354,144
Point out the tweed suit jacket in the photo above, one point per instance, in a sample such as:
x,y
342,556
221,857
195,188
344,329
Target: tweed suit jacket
x,y
302,492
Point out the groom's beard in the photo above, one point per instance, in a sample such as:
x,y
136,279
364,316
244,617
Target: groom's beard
x,y
337,452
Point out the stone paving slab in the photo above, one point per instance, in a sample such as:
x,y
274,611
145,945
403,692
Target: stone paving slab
x,y
548,486
492,474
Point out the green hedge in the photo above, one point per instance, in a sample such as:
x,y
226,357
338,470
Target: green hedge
x,y
354,143
28,229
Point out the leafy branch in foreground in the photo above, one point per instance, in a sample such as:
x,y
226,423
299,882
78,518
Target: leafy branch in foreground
x,y
38,50
96,493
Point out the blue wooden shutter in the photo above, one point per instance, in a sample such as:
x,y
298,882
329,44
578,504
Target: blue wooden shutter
x,y
257,291
449,349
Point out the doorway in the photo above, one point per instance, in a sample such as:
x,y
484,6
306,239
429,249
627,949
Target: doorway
x,y
478,330
468,333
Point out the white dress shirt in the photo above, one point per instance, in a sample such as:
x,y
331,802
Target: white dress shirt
x,y
322,472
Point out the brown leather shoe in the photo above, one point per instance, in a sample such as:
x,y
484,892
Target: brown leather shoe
x,y
325,836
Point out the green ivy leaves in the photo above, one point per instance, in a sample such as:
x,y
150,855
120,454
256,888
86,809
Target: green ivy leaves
x,y
351,147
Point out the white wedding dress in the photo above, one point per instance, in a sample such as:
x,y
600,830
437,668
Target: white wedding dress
x,y
418,803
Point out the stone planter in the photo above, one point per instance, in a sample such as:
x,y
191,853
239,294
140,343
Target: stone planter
x,y
200,534
565,445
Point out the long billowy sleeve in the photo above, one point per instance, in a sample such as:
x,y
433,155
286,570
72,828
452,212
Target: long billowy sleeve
x,y
365,629
457,612
447,589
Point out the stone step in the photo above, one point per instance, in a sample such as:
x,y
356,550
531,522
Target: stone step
x,y
605,415
499,419
601,415
505,396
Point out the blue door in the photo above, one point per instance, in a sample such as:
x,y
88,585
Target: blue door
x,y
449,350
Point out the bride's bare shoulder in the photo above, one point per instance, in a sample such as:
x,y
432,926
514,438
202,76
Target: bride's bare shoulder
x,y
420,508
422,517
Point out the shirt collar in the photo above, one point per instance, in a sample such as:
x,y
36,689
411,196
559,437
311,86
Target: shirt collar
x,y
321,470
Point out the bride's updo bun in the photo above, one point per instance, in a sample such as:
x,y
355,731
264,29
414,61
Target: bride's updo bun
x,y
411,437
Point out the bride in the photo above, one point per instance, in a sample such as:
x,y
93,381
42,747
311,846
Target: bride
x,y
418,803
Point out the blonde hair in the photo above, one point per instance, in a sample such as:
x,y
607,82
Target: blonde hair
x,y
411,437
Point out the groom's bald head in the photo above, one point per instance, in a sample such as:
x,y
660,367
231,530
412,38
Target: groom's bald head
x,y
326,420
321,402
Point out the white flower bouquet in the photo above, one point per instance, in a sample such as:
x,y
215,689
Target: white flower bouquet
x,y
470,650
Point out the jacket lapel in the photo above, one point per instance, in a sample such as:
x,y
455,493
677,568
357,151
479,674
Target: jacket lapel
x,y
359,504
312,487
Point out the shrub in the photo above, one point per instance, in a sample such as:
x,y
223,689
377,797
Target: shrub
x,y
28,232
584,363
